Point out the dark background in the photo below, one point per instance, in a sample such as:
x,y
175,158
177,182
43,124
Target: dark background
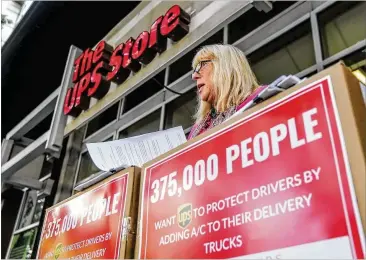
x,y
34,56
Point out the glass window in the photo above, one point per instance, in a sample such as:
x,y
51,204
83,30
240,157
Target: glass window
x,y
145,91
32,209
341,26
354,61
22,244
102,120
309,75
290,53
252,19
183,65
180,111
146,125
87,166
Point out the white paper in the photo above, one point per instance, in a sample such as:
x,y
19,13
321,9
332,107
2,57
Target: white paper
x,y
289,81
279,85
266,93
135,151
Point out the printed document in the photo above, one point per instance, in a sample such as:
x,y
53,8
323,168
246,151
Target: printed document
x,y
134,151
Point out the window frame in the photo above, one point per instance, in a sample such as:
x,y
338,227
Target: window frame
x,y
82,152
141,117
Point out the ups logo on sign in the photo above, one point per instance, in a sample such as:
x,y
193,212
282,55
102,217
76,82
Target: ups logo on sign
x,y
58,251
184,215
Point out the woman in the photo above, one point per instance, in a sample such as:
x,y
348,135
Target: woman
x,y
225,83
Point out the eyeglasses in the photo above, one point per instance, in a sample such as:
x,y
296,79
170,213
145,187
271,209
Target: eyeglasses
x,y
200,65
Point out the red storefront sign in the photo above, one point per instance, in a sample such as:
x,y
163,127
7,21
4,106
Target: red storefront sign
x,y
88,226
275,184
94,70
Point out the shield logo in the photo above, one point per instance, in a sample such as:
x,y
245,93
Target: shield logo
x,y
58,251
184,215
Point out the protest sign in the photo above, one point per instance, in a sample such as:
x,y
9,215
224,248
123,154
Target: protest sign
x,y
274,184
92,224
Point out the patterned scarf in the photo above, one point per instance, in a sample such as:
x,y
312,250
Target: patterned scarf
x,y
212,119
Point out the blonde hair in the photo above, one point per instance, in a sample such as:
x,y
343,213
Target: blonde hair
x,y
233,79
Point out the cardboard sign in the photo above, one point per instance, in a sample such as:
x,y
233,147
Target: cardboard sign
x,y
274,184
90,225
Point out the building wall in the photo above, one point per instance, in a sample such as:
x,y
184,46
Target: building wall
x,y
205,20
292,38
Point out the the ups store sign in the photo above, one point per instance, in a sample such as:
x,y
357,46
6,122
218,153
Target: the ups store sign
x,y
94,70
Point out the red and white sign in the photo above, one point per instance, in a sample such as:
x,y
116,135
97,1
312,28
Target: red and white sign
x,y
94,70
275,184
89,226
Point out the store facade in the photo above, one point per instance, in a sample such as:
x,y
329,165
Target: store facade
x,y
299,38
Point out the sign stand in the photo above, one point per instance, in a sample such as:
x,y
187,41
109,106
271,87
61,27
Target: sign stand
x,y
284,179
99,222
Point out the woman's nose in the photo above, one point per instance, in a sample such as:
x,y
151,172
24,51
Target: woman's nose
x,y
195,75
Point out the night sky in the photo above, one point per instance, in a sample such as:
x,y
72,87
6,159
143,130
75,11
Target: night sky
x,y
34,68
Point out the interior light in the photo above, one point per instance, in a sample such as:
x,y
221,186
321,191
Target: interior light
x,y
360,76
